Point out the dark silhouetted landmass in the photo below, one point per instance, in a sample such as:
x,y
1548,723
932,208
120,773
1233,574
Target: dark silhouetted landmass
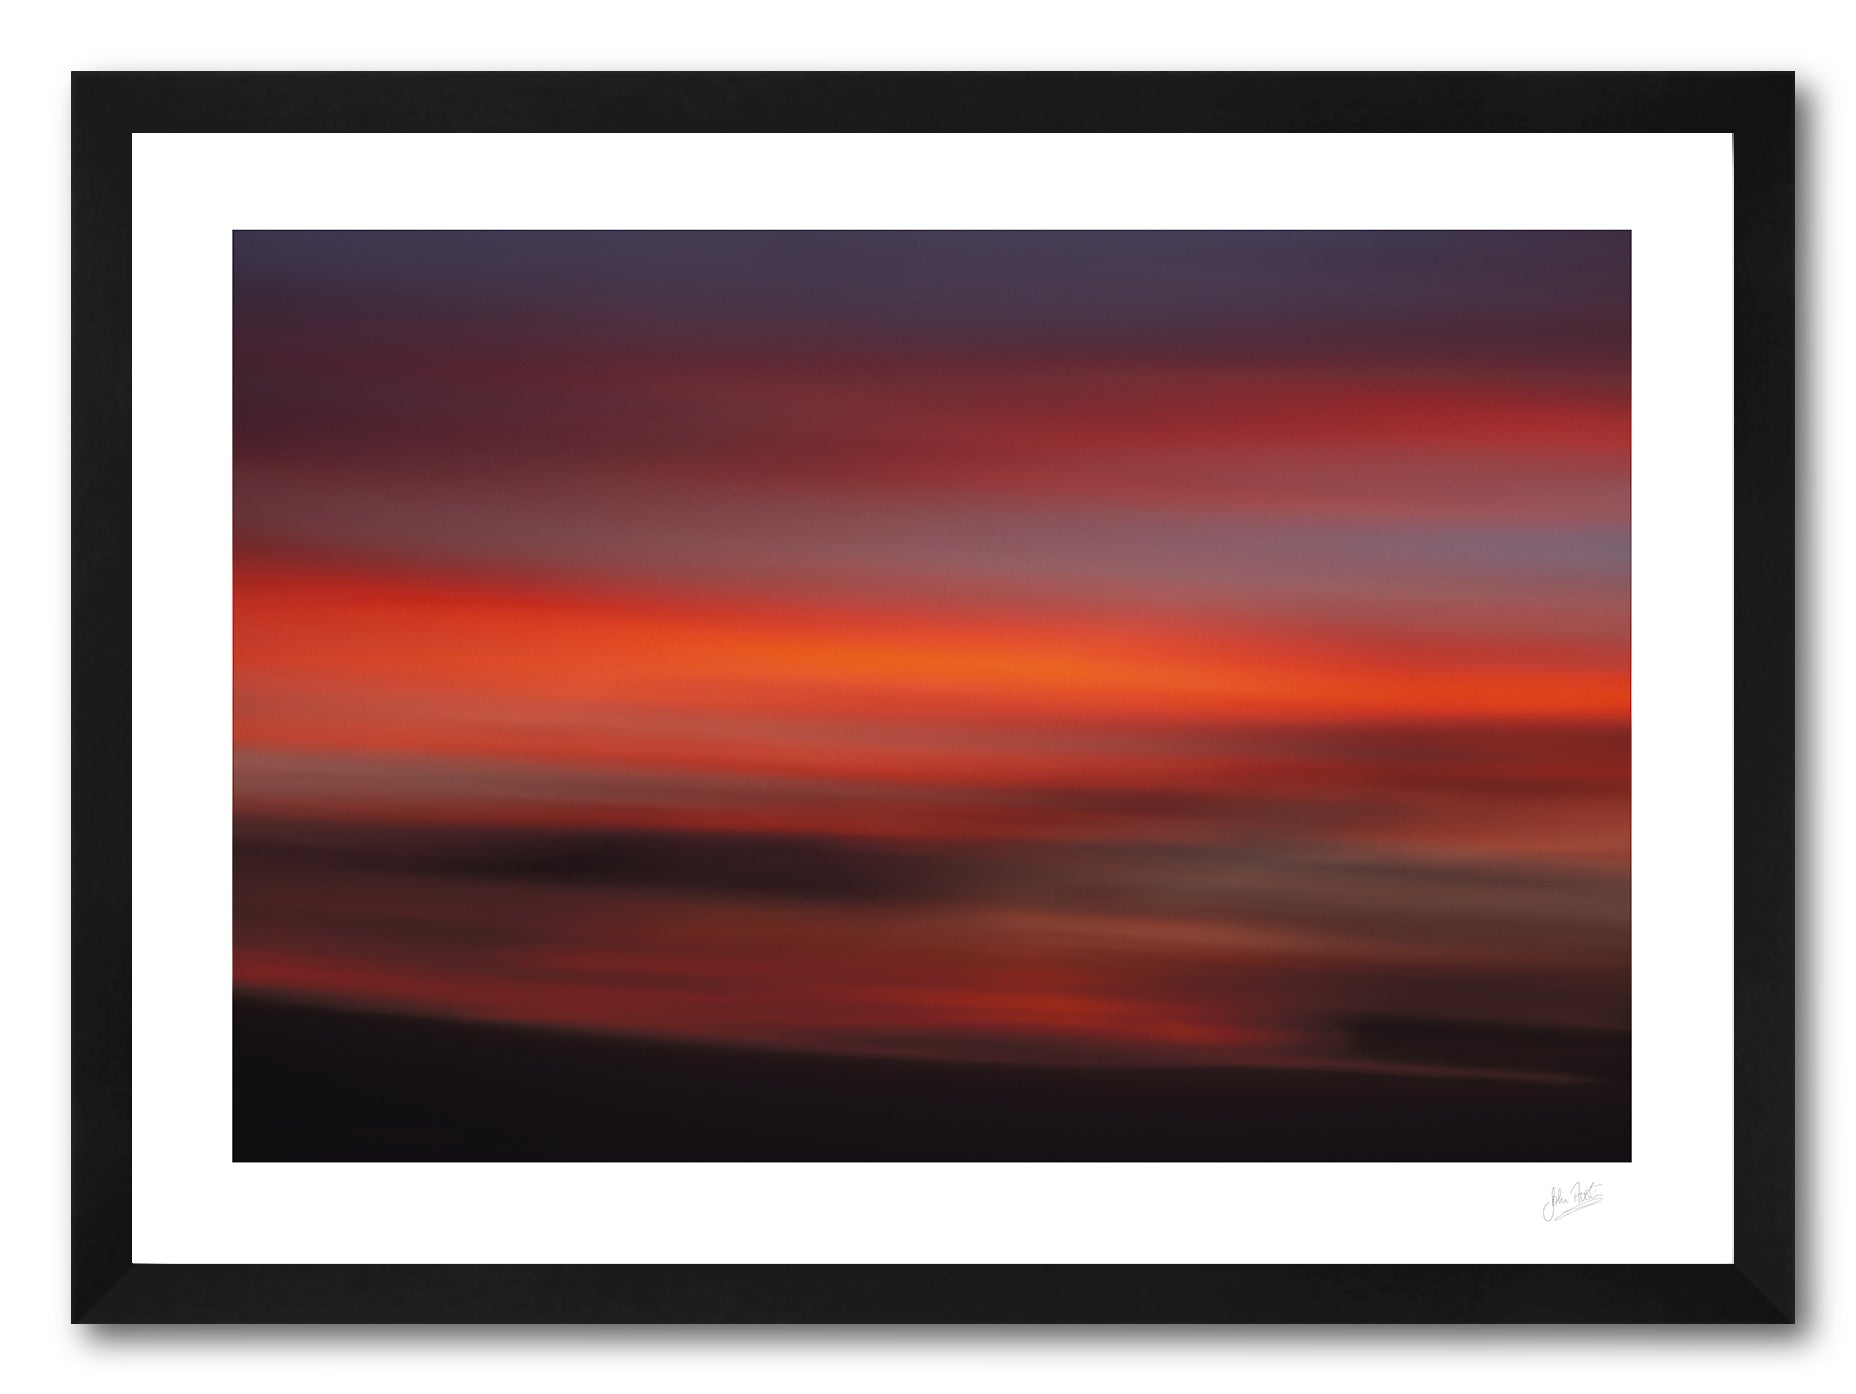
x,y
1489,1045
314,1084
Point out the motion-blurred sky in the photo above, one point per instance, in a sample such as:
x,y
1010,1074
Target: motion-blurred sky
x,y
1094,647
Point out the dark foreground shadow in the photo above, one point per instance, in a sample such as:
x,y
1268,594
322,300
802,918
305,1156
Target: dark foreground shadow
x,y
313,1084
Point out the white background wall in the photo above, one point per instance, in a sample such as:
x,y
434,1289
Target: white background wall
x,y
42,43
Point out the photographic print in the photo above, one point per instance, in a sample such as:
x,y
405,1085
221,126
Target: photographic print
x,y
932,696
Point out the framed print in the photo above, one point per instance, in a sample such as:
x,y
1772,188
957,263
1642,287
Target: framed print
x,y
791,697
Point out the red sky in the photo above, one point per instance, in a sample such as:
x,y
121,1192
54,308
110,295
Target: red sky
x,y
1096,648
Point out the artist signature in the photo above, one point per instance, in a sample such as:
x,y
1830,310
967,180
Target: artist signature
x,y
1561,1204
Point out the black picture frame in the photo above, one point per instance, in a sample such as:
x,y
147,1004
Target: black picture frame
x,y
1757,107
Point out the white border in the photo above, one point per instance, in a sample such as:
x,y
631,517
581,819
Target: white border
x,y
1670,1205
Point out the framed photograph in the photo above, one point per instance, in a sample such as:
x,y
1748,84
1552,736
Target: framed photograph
x,y
789,697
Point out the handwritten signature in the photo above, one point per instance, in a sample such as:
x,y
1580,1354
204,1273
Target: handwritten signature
x,y
1559,1205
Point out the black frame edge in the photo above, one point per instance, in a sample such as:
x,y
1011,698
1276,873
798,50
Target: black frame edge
x,y
964,1294
1765,904
100,695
